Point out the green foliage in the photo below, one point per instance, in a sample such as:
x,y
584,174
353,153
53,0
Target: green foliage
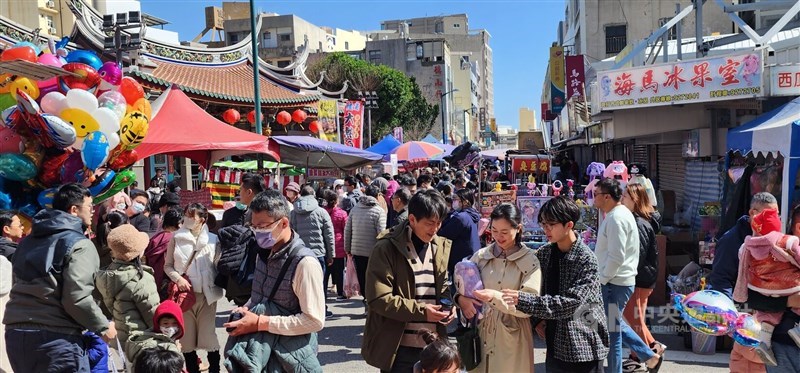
x,y
400,99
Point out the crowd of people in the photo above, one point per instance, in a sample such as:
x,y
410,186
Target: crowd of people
x,y
144,275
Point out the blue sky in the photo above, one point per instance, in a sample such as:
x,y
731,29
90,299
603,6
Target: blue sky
x,y
521,33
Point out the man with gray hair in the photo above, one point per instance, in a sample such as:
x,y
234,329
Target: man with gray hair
x,y
725,270
287,275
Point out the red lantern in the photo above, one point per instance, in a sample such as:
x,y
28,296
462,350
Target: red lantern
x,y
314,127
284,118
299,116
251,117
231,116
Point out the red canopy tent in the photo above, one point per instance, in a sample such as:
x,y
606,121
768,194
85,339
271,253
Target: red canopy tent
x,y
179,127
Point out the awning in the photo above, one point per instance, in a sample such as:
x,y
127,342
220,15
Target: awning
x,y
310,152
774,131
250,165
182,128
385,146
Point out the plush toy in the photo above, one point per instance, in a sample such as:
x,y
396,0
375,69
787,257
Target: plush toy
x,y
595,172
638,176
619,171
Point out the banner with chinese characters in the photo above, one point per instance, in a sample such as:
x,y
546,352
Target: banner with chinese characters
x,y
397,132
353,123
557,79
530,165
575,76
710,79
326,115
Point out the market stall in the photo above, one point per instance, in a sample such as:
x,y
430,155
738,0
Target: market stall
x,y
309,152
181,128
775,136
385,147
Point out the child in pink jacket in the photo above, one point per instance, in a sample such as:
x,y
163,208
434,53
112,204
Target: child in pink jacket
x,y
769,263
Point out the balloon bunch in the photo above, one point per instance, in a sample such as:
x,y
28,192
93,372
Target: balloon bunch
x,y
81,127
711,312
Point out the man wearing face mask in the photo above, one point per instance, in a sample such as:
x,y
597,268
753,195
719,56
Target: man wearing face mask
x,y
59,261
287,275
136,216
252,184
167,201
461,227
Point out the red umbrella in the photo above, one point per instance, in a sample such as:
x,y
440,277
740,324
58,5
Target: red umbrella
x,y
416,150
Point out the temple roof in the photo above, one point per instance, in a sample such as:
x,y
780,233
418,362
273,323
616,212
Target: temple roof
x,y
228,83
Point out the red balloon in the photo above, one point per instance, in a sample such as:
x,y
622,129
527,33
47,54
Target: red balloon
x,y
299,116
131,90
231,116
50,173
314,127
251,117
123,160
19,53
283,118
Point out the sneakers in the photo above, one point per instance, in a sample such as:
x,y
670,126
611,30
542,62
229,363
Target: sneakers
x,y
795,334
765,353
328,314
633,366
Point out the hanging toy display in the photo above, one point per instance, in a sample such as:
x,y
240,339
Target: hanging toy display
x,y
570,190
639,176
618,171
557,187
595,172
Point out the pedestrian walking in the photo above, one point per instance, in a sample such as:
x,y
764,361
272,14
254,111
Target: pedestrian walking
x,y
365,222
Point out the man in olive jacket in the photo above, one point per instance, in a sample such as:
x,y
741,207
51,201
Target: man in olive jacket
x,y
405,282
51,301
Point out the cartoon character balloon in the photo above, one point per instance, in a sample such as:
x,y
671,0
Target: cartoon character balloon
x,y
110,75
80,109
86,78
95,150
133,129
122,180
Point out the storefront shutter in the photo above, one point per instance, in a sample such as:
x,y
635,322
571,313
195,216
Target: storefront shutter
x,y
671,172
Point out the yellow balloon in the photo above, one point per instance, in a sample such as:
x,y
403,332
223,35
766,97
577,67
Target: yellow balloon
x,y
82,121
26,85
132,129
141,105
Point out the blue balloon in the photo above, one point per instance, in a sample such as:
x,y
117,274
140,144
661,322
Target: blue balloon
x,y
29,44
61,44
45,198
101,182
17,167
85,57
95,150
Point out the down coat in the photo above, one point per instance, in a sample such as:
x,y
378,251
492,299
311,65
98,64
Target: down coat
x,y
237,262
314,226
365,222
130,295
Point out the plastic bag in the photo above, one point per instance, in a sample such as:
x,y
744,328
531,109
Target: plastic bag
x,y
351,286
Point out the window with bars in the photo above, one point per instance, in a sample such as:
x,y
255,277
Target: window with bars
x,y
375,56
616,38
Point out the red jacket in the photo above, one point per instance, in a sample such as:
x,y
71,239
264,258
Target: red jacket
x,y
154,253
339,219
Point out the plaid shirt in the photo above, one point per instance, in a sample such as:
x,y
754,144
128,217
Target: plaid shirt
x,y
581,334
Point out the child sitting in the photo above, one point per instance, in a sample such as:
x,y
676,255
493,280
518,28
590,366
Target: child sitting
x,y
128,287
439,356
770,265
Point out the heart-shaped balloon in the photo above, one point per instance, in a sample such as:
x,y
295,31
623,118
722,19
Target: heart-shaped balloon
x,y
123,160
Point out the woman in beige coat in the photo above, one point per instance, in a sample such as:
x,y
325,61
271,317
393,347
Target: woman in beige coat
x,y
505,332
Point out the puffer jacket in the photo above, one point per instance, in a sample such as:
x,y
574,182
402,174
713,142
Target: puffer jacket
x,y
647,271
314,226
365,222
54,271
131,296
237,262
339,219
461,227
7,247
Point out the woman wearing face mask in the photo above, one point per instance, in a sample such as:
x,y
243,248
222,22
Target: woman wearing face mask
x,y
461,227
506,264
194,242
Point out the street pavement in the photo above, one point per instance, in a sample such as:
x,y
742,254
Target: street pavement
x,y
340,344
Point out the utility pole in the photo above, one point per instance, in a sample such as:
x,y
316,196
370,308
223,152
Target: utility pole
x,y
256,86
370,99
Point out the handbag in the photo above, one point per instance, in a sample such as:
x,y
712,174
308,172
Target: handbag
x,y
469,344
351,286
184,298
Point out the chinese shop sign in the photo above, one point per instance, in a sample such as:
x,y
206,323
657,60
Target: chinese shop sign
x,y
522,165
557,98
575,76
785,80
710,79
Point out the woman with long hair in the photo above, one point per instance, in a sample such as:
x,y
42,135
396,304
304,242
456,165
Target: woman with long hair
x,y
648,223
193,242
506,264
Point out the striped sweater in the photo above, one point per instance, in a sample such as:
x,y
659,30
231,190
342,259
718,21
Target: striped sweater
x,y
425,287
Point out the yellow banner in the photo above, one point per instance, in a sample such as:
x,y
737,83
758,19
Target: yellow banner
x,y
557,67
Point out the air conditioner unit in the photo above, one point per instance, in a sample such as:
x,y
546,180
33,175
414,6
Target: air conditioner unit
x,y
51,4
52,30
